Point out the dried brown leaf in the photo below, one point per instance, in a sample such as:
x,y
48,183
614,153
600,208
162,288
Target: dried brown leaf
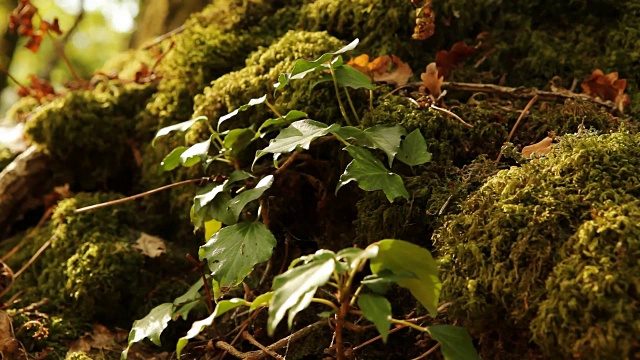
x,y
538,149
432,81
607,87
388,69
447,61
150,246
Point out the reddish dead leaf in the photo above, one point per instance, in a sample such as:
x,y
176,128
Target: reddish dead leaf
x,y
54,27
432,81
538,149
21,21
388,69
34,43
425,20
607,87
449,60
143,75
40,89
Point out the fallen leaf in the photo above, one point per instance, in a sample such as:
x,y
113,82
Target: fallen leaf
x,y
150,246
449,60
538,149
432,81
425,20
607,87
6,280
388,69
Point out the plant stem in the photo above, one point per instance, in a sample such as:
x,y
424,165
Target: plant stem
x,y
353,108
335,84
370,99
6,72
275,111
515,126
409,324
326,302
64,57
341,139
344,309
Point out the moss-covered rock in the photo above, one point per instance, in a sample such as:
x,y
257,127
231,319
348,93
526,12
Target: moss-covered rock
x,y
566,220
255,80
89,135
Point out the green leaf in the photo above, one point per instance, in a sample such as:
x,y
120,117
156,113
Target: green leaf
x,y
401,257
277,123
348,76
385,138
205,195
233,251
195,153
197,327
244,107
151,326
294,289
455,342
183,310
192,294
238,139
303,67
182,127
379,283
236,176
238,203
354,255
261,300
413,150
172,160
299,134
371,175
376,309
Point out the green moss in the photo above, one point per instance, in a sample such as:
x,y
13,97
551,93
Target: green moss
x,y
43,334
257,78
20,110
78,356
88,134
214,42
6,157
537,224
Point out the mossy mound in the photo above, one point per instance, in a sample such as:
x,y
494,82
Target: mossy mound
x,y
214,42
255,80
6,156
567,221
88,134
92,272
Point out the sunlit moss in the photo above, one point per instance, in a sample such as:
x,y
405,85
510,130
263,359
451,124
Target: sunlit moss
x,y
547,222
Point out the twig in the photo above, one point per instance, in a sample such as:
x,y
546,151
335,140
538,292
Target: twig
x,y
164,37
257,344
204,281
377,338
287,163
137,196
434,348
453,115
46,74
162,56
242,327
522,115
4,71
34,257
261,354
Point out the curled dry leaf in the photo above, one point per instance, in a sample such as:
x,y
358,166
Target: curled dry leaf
x,y
607,87
432,81
446,61
538,149
150,246
388,69
99,338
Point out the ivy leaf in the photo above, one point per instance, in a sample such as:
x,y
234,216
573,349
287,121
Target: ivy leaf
x,y
188,300
182,127
196,153
261,300
287,119
376,309
197,327
172,160
348,76
238,139
151,326
299,134
205,195
354,255
244,107
413,150
385,138
238,203
401,257
303,67
236,176
371,175
380,282
455,341
211,227
233,251
294,289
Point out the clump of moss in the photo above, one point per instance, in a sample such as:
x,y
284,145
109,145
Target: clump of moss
x,y
22,107
214,42
88,134
257,78
565,220
43,334
6,157
81,355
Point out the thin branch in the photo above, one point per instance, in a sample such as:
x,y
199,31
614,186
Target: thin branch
x,y
434,348
137,196
204,281
34,257
453,115
257,344
287,163
164,37
4,71
46,74
515,126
